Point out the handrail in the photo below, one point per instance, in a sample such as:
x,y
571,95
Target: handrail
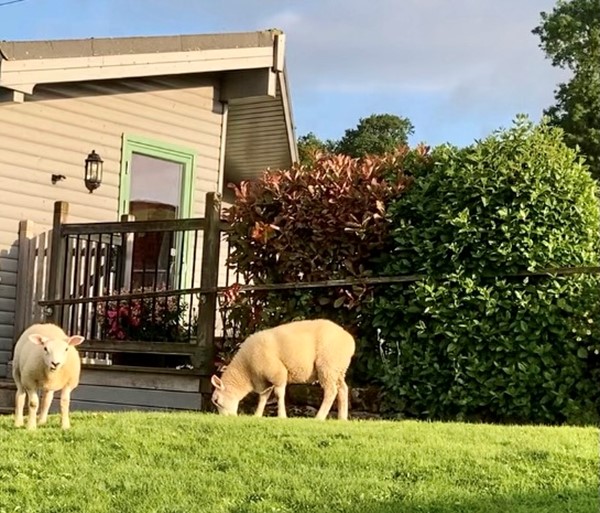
x,y
118,227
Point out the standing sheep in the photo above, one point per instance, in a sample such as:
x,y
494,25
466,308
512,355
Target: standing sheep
x,y
45,358
297,352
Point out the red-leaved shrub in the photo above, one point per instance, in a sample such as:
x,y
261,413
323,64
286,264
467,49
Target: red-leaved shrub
x,y
305,224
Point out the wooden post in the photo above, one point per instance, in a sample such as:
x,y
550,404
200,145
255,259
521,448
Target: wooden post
x,y
25,279
209,279
57,259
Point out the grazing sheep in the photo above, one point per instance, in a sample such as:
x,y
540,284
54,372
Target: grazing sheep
x,y
297,352
45,358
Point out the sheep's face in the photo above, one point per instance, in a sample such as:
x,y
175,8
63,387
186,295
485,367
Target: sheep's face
x,y
223,399
55,349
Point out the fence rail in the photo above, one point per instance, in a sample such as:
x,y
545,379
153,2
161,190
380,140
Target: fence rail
x,y
349,282
132,226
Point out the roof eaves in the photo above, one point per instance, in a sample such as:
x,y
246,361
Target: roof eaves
x,y
80,60
95,47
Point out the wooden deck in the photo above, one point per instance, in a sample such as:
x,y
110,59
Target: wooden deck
x,y
126,388
160,337
121,388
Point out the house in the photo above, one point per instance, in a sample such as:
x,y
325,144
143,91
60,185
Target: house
x,y
171,117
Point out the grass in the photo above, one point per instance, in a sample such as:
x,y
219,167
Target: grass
x,y
186,462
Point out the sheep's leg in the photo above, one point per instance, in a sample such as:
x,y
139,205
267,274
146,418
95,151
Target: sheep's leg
x,y
342,399
262,402
46,402
65,399
19,405
280,394
329,393
34,403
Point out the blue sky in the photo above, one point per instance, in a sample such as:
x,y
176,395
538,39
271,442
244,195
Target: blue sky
x,y
458,69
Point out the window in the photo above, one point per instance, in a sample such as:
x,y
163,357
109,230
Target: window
x,y
156,183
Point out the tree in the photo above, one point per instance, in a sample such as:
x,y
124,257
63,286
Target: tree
x,y
376,135
570,37
577,112
310,148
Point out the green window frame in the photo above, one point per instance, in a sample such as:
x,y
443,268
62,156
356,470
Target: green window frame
x,y
162,150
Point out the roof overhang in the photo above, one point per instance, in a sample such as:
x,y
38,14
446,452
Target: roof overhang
x,y
23,65
252,66
260,134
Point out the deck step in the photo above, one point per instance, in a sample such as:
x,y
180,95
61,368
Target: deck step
x,y
121,388
7,383
7,395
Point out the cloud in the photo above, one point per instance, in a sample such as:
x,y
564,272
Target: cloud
x,y
472,57
458,49
414,44
473,60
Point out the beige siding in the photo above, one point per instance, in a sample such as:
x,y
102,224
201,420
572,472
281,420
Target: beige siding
x,y
54,131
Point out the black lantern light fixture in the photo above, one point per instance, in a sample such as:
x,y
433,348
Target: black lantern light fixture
x,y
93,171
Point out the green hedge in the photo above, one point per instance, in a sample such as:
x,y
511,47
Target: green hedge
x,y
466,342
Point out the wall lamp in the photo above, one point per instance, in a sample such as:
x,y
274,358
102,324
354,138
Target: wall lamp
x,y
93,171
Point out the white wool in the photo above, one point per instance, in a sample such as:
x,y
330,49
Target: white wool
x,y
296,352
45,358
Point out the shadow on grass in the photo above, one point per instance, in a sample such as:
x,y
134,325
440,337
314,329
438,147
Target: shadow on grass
x,y
567,500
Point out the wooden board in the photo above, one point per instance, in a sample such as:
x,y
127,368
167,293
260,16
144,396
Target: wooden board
x,y
140,380
7,393
138,397
105,407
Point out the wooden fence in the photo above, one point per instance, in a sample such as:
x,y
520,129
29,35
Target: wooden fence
x,y
34,256
84,276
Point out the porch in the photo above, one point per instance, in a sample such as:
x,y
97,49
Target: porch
x,y
144,296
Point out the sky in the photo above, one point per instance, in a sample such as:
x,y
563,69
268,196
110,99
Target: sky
x,y
458,69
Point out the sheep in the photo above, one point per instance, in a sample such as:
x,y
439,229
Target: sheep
x,y
45,358
296,352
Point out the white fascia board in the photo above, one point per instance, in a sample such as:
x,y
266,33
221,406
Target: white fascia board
x,y
279,53
289,121
24,75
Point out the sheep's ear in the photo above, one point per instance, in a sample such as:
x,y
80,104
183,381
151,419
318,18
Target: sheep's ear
x,y
75,340
38,339
216,382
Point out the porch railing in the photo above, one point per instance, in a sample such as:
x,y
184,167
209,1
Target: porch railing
x,y
137,286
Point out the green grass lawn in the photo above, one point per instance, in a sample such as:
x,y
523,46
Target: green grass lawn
x,y
186,462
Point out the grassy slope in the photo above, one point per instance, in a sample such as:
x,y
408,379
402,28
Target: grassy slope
x,y
187,462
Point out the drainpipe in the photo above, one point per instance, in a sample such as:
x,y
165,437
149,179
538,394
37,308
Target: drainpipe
x,y
221,175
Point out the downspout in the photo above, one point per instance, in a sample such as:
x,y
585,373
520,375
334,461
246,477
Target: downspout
x,y
222,147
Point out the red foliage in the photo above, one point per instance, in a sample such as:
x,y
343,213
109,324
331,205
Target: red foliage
x,y
323,222
318,223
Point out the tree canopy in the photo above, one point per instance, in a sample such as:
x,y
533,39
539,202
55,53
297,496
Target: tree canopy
x,y
310,147
570,37
377,135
